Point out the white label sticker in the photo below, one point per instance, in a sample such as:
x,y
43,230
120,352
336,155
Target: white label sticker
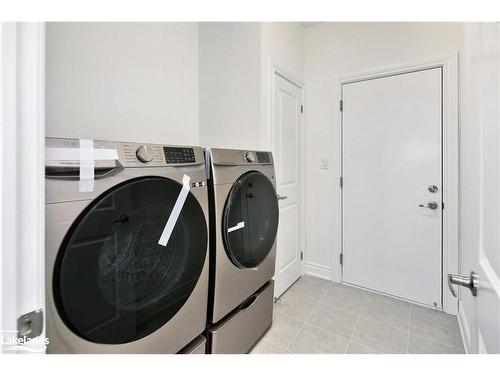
x,y
176,211
240,225
86,154
86,183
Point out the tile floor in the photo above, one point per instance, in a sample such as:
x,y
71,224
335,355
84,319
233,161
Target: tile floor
x,y
318,316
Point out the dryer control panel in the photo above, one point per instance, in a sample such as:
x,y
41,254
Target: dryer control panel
x,y
220,156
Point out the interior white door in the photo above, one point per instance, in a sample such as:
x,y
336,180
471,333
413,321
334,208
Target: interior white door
x,y
288,159
485,117
391,165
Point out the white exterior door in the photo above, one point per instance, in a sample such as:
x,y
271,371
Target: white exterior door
x,y
288,162
392,185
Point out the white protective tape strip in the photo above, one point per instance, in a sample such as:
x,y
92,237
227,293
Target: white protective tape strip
x,y
86,166
240,225
176,211
59,153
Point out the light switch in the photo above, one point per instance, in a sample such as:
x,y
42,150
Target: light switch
x,y
324,163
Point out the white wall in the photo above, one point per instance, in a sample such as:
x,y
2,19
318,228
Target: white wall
x,y
123,81
337,49
282,45
235,79
230,84
183,83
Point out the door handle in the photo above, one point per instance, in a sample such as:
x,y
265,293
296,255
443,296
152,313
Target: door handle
x,y
281,197
431,205
470,282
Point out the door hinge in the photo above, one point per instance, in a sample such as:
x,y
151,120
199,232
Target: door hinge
x,y
442,205
341,259
341,182
301,108
301,255
30,325
341,105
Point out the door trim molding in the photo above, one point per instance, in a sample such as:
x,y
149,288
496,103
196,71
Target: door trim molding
x,y
464,327
450,254
318,270
22,186
269,133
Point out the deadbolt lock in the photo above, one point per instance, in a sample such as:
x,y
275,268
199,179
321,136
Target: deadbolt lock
x,y
432,188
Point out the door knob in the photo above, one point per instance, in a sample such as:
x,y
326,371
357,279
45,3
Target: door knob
x,y
469,282
432,205
281,197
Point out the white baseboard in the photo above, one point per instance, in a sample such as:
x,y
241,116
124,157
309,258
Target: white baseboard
x,y
319,271
464,327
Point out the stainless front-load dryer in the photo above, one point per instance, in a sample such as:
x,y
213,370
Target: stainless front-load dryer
x,y
111,286
242,188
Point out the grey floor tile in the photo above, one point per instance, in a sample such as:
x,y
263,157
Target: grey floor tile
x,y
283,330
383,311
435,325
380,337
344,297
317,316
420,345
310,287
312,340
372,296
337,321
355,348
267,346
297,305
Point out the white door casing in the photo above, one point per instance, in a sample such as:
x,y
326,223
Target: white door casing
x,y
392,151
288,164
22,144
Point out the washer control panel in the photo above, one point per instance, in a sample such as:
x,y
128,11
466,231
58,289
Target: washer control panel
x,y
176,155
129,154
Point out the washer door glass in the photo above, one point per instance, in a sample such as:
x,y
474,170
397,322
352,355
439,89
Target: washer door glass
x,y
250,220
113,283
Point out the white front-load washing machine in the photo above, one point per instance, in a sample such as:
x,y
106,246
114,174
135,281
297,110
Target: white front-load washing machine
x,y
126,262
244,222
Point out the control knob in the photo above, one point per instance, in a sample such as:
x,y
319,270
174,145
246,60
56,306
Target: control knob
x,y
250,157
144,154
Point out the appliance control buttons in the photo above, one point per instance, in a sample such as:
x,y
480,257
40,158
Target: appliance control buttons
x,y
263,157
144,154
179,155
250,157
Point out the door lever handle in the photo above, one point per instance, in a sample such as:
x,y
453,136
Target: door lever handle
x,y
432,205
281,197
470,282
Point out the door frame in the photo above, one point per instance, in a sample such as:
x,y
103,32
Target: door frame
x,y
22,179
269,132
450,171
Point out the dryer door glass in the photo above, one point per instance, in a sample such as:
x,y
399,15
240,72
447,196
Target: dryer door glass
x,y
113,283
250,220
